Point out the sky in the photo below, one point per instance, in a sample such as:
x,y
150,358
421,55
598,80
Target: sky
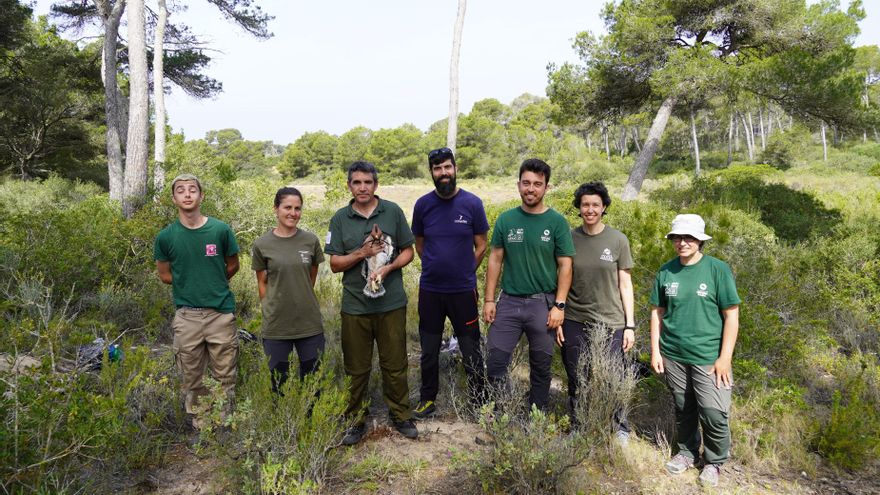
x,y
333,65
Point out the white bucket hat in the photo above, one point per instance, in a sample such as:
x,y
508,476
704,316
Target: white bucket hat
x,y
689,224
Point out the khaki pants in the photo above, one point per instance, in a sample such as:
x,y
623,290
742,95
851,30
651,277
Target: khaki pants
x,y
389,331
204,338
699,404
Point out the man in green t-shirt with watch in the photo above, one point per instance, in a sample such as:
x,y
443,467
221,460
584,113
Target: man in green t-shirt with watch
x,y
198,255
532,243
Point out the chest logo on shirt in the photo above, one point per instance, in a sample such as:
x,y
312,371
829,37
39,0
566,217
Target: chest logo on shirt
x,y
546,236
671,289
606,255
306,257
461,219
515,235
210,250
703,292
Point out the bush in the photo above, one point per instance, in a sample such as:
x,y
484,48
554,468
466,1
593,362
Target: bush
x,y
851,435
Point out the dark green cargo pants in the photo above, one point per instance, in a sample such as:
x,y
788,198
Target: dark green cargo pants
x,y
699,403
389,331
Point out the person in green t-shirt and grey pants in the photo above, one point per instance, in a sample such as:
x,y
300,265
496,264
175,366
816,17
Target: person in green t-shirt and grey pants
x,y
532,243
198,255
286,261
694,325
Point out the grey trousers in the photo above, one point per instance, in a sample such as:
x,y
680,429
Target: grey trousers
x,y
699,404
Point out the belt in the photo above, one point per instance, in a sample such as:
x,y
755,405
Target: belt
x,y
193,308
540,295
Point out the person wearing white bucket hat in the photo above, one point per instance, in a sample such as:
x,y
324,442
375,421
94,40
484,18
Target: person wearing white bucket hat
x,y
694,325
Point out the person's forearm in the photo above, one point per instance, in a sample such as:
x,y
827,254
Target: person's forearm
x,y
563,277
729,333
493,271
656,323
628,300
343,262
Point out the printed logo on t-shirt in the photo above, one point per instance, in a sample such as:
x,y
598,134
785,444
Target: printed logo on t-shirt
x,y
461,219
546,236
210,250
703,292
671,289
515,235
606,255
306,257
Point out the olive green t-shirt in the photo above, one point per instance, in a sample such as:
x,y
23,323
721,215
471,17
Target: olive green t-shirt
x,y
198,263
348,229
290,308
531,244
693,297
594,297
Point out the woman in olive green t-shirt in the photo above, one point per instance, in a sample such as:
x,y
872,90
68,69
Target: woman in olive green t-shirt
x,y
286,261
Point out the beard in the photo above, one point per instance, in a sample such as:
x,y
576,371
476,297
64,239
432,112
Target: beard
x,y
445,189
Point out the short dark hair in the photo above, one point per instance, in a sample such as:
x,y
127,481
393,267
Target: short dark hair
x,y
365,167
287,191
440,155
537,166
592,189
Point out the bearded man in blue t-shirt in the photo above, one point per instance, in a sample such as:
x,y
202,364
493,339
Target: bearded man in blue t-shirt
x,y
450,228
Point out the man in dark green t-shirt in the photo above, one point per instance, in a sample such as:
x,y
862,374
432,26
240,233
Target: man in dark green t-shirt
x,y
370,242
532,243
198,255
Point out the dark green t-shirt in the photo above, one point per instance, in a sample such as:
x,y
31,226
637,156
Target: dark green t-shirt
x,y
290,308
531,243
693,297
348,229
198,265
594,297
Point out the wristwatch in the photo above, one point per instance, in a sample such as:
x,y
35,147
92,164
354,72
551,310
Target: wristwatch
x,y
560,305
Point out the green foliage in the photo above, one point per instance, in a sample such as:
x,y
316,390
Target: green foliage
x,y
851,435
526,456
794,216
286,444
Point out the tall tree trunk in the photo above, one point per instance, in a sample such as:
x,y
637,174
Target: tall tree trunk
x,y
736,143
589,142
696,144
635,133
779,123
876,135
652,142
751,131
761,128
605,137
136,149
623,141
769,123
111,17
159,99
750,145
452,127
824,144
730,140
835,137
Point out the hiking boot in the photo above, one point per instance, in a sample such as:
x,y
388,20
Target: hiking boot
x,y
679,464
709,475
354,434
622,438
406,428
425,410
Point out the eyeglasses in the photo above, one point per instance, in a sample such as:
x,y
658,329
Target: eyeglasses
x,y
439,151
686,238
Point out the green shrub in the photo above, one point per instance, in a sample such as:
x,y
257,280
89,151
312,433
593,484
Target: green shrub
x,y
530,455
851,436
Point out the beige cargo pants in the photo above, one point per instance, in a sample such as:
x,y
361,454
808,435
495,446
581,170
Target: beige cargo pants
x,y
204,338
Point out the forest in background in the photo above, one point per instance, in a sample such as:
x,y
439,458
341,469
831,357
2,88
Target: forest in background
x,y
780,154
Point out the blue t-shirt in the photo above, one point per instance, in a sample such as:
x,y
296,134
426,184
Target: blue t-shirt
x,y
449,227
